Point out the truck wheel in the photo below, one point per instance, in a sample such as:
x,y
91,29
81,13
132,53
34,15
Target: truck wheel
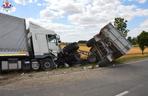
x,y
47,64
35,65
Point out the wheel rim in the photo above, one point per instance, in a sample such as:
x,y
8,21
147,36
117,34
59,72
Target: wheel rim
x,y
35,66
47,65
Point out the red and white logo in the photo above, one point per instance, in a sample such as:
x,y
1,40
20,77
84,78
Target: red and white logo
x,y
7,4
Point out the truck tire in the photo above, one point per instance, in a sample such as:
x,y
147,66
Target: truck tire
x,y
72,47
47,64
35,65
104,63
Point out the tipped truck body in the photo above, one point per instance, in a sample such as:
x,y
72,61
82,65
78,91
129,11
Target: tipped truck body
x,y
108,45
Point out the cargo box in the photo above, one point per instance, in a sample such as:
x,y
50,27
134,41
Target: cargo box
x,y
13,36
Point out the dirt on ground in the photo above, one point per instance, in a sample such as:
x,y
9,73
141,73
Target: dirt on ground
x,y
21,79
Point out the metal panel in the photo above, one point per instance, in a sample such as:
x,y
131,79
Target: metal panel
x,y
12,36
121,43
40,44
34,28
13,66
19,65
54,47
5,65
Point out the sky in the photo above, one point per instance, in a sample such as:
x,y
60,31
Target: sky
x,y
76,20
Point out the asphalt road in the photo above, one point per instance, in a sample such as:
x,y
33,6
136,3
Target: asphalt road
x,y
121,80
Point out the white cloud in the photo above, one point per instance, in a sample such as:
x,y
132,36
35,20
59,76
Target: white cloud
x,y
142,27
24,2
145,24
50,14
86,17
8,11
60,7
141,1
39,4
72,8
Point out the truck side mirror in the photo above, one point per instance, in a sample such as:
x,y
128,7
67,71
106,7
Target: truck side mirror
x,y
59,41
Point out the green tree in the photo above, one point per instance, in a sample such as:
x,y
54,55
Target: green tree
x,y
129,39
121,25
134,41
143,40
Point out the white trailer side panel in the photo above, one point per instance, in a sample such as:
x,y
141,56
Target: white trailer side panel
x,y
13,41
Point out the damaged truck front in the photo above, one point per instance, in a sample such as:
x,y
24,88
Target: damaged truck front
x,y
108,45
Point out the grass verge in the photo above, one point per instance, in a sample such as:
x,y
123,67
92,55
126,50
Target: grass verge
x,y
131,57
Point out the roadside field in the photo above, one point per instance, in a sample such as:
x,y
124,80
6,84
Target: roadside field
x,y
133,54
136,50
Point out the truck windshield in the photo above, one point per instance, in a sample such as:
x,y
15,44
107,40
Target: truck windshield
x,y
53,44
51,38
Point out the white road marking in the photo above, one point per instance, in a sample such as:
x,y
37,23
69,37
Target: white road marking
x,y
123,93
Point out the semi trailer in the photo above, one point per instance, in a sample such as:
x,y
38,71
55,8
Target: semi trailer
x,y
108,45
24,48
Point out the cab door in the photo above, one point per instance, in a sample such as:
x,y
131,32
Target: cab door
x,y
40,45
53,45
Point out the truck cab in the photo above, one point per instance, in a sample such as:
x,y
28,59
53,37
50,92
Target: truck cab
x,y
24,48
43,47
43,41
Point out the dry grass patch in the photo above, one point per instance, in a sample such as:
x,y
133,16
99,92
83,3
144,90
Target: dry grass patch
x,y
136,50
133,54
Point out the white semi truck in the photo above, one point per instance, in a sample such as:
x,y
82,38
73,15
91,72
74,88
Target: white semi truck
x,y
24,49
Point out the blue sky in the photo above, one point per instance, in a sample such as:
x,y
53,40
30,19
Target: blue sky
x,y
77,20
137,19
